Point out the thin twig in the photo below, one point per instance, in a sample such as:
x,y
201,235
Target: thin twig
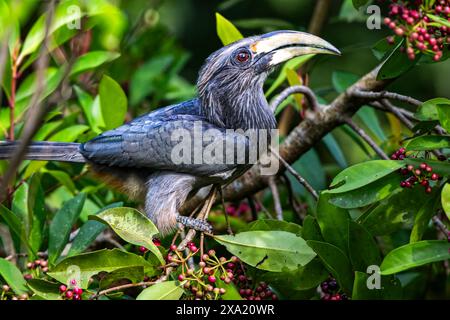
x,y
36,113
292,200
441,226
307,92
203,214
391,108
227,219
251,203
276,197
296,175
366,138
121,287
372,95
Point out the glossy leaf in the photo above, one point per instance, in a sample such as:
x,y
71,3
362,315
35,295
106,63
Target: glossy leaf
x,y
336,262
268,250
113,102
414,255
429,109
133,274
132,226
226,31
168,290
45,289
363,249
359,3
368,194
362,174
13,277
445,199
428,142
89,232
61,226
82,267
274,225
333,222
396,64
92,60
423,216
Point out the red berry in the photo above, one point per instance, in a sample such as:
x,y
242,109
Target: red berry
x,y
212,279
424,183
418,172
429,169
156,242
423,166
180,277
73,282
428,190
62,288
434,176
69,294
173,247
142,249
77,290
193,248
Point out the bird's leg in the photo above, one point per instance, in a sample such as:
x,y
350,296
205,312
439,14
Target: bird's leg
x,y
194,223
198,223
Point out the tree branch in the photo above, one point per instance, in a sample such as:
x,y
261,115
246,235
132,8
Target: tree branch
x,y
307,92
359,131
276,198
370,95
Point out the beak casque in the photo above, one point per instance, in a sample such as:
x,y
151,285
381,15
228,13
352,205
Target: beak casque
x,y
285,45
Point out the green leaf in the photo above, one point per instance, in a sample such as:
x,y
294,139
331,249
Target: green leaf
x,y
226,31
92,60
69,134
304,278
268,250
89,232
311,229
415,254
429,109
426,143
342,80
45,289
394,212
444,116
62,17
63,178
362,174
396,64
134,274
132,226
14,224
445,199
168,290
82,267
231,293
336,262
368,194
370,119
335,150
293,64
440,20
363,249
274,225
423,216
359,3
333,222
113,102
61,226
390,288
13,277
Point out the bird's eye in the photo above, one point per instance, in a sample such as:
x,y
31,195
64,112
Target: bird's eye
x,y
242,56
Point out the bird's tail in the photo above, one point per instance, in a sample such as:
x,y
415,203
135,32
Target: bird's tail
x,y
45,150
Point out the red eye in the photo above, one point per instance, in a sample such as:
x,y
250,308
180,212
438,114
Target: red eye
x,y
242,56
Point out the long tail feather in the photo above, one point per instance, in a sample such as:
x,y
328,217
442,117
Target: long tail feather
x,y
45,150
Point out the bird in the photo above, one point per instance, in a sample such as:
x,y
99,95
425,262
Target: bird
x,y
138,157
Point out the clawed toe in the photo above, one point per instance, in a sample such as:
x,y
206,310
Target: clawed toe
x,y
197,224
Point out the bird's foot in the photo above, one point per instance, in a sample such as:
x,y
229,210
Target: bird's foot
x,y
197,224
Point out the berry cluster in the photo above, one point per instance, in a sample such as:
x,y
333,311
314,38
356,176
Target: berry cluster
x,y
203,283
330,291
420,175
73,293
6,294
247,289
236,210
410,20
37,266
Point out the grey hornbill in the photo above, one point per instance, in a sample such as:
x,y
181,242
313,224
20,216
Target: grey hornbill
x,y
137,156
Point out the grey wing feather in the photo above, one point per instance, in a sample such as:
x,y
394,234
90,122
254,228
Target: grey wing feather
x,y
149,141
